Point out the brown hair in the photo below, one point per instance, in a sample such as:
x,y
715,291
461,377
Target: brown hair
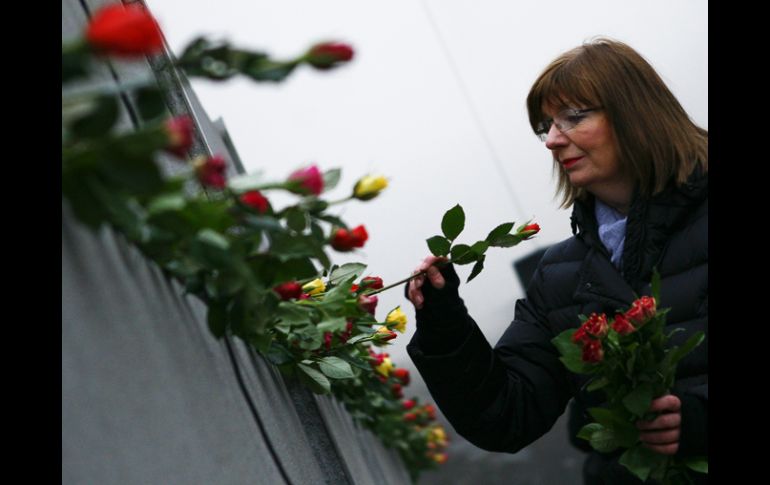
x,y
657,142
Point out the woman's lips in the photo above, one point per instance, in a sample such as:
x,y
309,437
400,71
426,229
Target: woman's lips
x,y
568,162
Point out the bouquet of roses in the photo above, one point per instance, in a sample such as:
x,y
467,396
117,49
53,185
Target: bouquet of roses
x,y
631,363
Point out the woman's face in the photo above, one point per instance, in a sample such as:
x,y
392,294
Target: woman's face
x,y
587,153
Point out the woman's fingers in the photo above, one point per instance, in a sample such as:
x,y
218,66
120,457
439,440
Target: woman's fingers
x,y
434,276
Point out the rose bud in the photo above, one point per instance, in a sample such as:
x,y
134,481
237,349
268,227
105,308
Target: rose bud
x,y
180,135
408,404
353,288
344,240
377,359
328,54
372,282
440,458
430,410
526,232
344,336
402,375
397,391
367,303
396,319
622,325
647,303
593,352
384,334
635,315
304,296
369,187
288,290
328,340
126,31
211,171
255,200
306,181
580,336
314,287
437,435
596,325
385,367
410,417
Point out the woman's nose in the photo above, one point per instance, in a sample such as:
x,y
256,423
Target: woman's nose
x,y
555,138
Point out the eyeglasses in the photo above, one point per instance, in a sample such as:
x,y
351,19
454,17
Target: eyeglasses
x,y
565,120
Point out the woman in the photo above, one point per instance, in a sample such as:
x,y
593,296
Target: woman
x,y
634,168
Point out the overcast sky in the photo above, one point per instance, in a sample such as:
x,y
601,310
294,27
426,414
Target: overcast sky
x,y
434,100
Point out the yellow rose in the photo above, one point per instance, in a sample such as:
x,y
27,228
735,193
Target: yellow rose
x,y
385,367
437,435
396,319
314,287
369,187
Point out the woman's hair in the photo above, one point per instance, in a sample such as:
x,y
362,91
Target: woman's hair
x,y
656,140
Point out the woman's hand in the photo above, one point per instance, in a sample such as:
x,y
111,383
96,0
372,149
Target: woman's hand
x,y
434,276
661,435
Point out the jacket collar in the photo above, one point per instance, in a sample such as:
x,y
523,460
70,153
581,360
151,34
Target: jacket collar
x,y
650,222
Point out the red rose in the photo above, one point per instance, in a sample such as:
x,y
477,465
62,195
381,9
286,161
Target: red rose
x,y
353,288
211,171
622,325
367,303
430,411
344,240
402,375
596,325
255,200
580,336
378,358
410,417
180,135
592,351
408,404
344,336
528,231
397,391
371,282
303,296
127,31
635,315
647,304
309,180
289,290
327,55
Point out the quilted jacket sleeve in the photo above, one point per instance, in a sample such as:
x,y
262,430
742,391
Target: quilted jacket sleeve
x,y
499,399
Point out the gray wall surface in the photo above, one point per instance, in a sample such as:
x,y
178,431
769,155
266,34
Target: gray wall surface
x,y
149,395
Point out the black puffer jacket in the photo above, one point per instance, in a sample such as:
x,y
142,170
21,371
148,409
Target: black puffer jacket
x,y
505,398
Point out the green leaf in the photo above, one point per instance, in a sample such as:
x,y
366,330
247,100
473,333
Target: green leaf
x,y
597,384
292,269
498,232
278,354
332,220
462,254
476,268
296,219
638,400
692,342
588,430
438,245
698,463
331,178
345,272
166,202
336,368
625,433
335,324
213,239
266,223
479,247
506,241
318,382
604,441
453,222
99,120
150,102
294,314
217,318
640,461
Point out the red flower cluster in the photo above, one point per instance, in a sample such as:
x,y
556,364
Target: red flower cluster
x,y
328,54
255,200
127,31
344,240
